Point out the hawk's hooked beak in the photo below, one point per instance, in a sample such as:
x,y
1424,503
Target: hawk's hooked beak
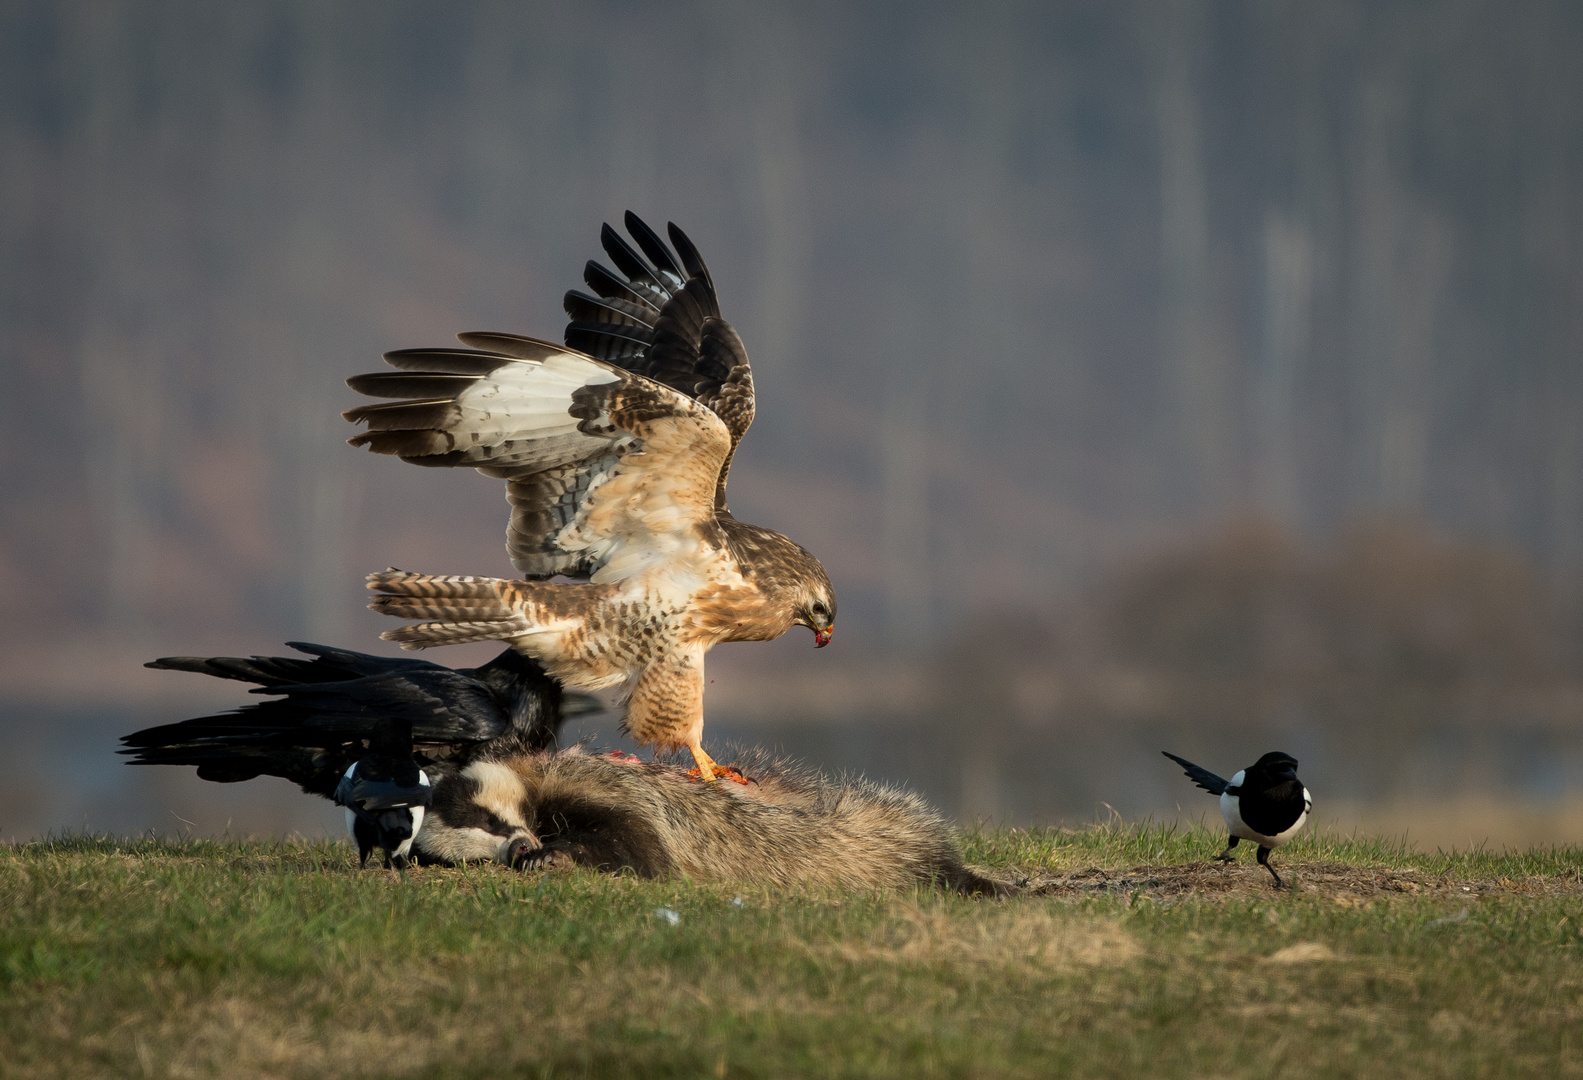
x,y
821,638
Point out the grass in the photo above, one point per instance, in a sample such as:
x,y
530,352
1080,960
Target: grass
x,y
203,958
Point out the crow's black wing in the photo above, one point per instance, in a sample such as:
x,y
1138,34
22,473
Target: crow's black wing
x,y
323,714
328,665
1202,777
312,731
314,769
536,704
444,707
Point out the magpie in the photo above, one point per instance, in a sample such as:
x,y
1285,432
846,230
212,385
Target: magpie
x,y
1265,803
385,793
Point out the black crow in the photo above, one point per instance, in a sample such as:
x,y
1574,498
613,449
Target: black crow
x,y
1265,803
324,712
385,794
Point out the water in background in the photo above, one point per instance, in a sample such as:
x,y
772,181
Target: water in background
x,y
1518,786
1426,685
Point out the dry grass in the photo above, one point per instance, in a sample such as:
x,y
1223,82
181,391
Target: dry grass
x,y
213,959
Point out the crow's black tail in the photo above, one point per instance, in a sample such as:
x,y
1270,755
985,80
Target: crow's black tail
x,y
274,738
323,714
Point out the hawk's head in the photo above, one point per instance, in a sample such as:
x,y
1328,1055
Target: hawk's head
x,y
818,613
816,602
793,582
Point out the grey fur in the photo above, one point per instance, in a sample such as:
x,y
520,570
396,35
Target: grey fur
x,y
787,828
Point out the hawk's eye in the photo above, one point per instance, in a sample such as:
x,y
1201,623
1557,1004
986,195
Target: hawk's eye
x,y
820,610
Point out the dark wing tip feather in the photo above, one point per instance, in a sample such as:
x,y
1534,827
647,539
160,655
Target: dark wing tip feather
x,y
581,307
417,415
588,337
264,670
326,651
654,248
411,384
689,253
687,345
629,262
447,361
435,448
606,284
511,346
179,663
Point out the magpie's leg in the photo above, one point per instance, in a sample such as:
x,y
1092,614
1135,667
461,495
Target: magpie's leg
x,y
399,861
387,858
1226,856
365,842
1264,861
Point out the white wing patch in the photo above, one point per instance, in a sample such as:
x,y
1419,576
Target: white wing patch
x,y
610,474
520,411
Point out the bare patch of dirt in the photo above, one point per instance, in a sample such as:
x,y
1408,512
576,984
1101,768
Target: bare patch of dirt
x,y
1338,881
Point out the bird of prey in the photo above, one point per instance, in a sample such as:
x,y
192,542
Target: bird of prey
x,y
385,794
322,714
615,449
1265,803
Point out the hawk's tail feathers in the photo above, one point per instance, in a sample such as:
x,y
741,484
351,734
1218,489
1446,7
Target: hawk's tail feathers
x,y
464,609
426,635
395,582
467,608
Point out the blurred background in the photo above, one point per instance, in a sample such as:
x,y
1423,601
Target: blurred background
x,y
1157,375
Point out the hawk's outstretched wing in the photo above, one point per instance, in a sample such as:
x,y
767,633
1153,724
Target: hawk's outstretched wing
x,y
664,322
608,472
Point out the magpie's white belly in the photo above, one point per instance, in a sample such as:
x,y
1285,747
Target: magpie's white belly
x,y
405,846
1231,810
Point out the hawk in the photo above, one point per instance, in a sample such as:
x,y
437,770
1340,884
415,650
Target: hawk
x,y
615,449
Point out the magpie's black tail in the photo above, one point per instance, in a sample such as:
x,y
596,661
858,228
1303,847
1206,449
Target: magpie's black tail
x,y
1202,777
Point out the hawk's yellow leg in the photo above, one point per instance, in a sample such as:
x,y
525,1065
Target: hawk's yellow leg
x,y
706,764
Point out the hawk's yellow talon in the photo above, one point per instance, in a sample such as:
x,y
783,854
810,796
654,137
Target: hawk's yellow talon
x,y
708,771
